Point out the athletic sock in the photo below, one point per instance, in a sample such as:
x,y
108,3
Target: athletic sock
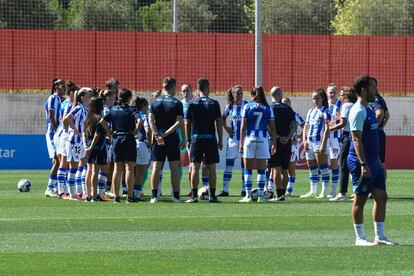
x,y
248,178
195,193
228,174
102,183
291,184
325,178
52,181
212,192
279,192
176,195
124,186
261,181
137,190
71,181
155,193
335,179
83,179
78,179
359,231
270,184
204,179
379,230
242,176
160,185
61,180
314,179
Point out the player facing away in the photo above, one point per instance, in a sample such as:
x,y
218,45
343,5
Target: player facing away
x,y
295,155
75,119
364,165
53,109
202,120
285,124
348,98
233,111
315,142
165,117
257,118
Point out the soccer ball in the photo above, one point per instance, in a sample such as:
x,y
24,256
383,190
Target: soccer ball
x,y
255,194
24,185
203,193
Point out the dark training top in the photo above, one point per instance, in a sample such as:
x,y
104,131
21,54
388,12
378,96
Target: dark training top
x,y
284,115
122,118
98,129
166,108
203,113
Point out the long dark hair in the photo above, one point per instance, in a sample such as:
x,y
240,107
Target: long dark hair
x,y
95,113
258,95
322,93
229,96
55,83
139,103
71,87
79,94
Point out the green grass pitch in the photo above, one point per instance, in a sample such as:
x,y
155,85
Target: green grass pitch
x,y
40,236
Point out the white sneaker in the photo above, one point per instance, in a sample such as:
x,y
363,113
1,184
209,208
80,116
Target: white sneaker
x,y
175,200
51,193
363,242
154,200
309,194
287,194
246,199
385,241
321,196
261,199
331,195
339,197
192,200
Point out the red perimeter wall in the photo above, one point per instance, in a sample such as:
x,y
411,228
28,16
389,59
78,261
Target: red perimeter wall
x,y
29,59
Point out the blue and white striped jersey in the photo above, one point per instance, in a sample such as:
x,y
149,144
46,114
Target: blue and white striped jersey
x,y
79,114
258,117
317,119
142,134
53,103
234,111
335,114
300,122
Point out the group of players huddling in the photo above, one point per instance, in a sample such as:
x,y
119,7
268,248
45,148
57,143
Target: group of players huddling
x,y
93,134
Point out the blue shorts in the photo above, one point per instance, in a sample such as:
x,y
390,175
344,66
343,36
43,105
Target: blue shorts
x,y
170,150
201,149
363,185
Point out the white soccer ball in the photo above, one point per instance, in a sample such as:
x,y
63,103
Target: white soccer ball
x,y
255,194
24,185
203,193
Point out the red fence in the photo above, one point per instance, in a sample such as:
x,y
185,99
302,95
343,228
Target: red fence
x,y
29,59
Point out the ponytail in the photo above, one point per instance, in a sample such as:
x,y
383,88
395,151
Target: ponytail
x,y
259,96
79,94
229,97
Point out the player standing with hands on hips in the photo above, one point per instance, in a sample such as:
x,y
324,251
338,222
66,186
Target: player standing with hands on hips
x,y
202,120
367,174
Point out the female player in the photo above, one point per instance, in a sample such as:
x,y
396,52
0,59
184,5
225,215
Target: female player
x,y
144,142
53,108
71,89
75,119
187,92
257,118
315,142
334,147
95,138
295,150
233,110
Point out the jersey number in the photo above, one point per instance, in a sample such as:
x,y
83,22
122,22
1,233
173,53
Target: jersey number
x,y
258,116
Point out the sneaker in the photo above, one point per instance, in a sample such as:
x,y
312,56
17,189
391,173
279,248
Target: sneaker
x,y
261,199
331,195
246,199
102,198
339,197
288,194
309,194
176,200
51,193
154,200
88,199
139,199
243,194
130,200
73,197
363,242
192,200
117,199
385,241
278,198
214,200
269,194
223,193
64,196
321,196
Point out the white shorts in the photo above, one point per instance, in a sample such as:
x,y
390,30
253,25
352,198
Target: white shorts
x,y
61,144
51,148
233,148
143,154
74,151
313,148
294,155
109,151
256,147
334,148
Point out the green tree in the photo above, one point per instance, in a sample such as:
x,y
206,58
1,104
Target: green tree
x,y
298,16
374,17
230,16
23,14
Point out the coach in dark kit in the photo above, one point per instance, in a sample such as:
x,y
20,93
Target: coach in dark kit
x,y
165,117
122,119
202,120
285,123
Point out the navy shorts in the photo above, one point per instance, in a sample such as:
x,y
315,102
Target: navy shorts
x,y
364,185
124,148
282,156
98,156
204,149
382,144
170,149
